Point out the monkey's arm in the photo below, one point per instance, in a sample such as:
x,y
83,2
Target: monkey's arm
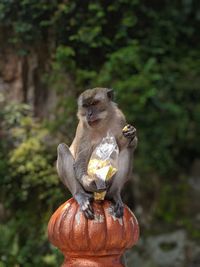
x,y
81,164
127,142
81,152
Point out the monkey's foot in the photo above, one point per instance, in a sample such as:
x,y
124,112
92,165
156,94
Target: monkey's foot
x,y
119,209
83,200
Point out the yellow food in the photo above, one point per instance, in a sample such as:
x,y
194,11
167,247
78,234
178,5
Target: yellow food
x,y
106,170
111,172
95,165
99,196
125,129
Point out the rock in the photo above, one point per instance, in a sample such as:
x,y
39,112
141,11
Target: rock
x,y
193,205
193,254
136,260
11,75
168,249
165,250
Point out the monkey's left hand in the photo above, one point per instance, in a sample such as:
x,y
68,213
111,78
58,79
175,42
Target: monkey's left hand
x,y
129,132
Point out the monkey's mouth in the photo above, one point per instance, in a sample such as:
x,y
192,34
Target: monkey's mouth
x,y
93,123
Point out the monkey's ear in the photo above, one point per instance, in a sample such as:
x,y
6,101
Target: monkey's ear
x,y
110,94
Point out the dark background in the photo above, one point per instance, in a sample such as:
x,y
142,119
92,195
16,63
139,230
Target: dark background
x,y
149,52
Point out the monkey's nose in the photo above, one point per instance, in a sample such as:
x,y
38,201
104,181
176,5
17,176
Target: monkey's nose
x,y
89,114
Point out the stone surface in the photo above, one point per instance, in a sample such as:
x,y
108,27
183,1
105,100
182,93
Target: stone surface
x,y
168,249
165,250
22,80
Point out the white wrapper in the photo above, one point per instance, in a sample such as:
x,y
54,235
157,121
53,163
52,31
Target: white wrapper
x,y
104,160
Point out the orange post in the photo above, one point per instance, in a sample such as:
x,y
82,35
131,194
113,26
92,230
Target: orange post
x,y
92,243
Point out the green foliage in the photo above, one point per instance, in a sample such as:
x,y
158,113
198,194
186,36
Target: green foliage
x,y
150,89
29,188
171,211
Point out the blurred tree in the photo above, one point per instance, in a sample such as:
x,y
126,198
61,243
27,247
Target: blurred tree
x,y
29,187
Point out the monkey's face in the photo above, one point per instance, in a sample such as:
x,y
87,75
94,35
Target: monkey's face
x,y
94,106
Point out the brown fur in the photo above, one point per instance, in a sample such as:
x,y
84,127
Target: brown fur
x,y
97,115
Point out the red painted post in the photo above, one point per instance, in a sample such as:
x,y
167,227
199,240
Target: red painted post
x,y
92,243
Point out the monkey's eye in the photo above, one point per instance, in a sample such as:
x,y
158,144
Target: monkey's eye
x,y
94,102
85,105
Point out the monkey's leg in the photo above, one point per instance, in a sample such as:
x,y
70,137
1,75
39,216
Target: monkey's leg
x,y
65,170
122,175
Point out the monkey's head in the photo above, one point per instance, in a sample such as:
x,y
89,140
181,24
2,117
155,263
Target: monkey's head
x,y
94,106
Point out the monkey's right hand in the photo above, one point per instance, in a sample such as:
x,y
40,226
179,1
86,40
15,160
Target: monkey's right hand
x,y
88,183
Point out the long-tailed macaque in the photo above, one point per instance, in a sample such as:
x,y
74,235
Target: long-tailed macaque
x,y
97,114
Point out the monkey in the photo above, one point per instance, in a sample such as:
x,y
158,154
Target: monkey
x,y
97,114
